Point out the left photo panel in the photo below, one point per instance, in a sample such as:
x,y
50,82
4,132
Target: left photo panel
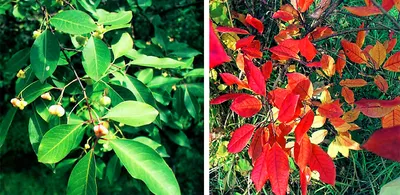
x,y
102,97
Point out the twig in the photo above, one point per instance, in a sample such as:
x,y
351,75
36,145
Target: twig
x,y
346,32
387,14
327,13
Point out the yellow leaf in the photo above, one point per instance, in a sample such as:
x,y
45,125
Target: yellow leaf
x,y
318,136
230,39
333,149
378,54
318,122
292,68
351,116
328,65
325,96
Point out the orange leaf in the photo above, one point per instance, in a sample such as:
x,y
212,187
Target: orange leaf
x,y
282,15
378,54
353,83
278,169
231,79
305,177
351,116
381,83
254,22
246,105
392,119
361,36
307,49
255,78
330,110
363,11
320,161
328,65
255,148
300,84
321,32
259,174
387,4
384,142
240,61
353,52
303,126
240,137
340,62
305,4
377,108
389,44
288,109
266,70
348,95
217,51
302,152
393,63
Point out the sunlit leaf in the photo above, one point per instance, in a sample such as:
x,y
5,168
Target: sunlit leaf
x,y
73,22
132,113
246,105
83,177
353,52
383,141
321,162
392,119
240,138
393,63
278,169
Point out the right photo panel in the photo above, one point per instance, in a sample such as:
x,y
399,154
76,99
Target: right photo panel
x,y
304,97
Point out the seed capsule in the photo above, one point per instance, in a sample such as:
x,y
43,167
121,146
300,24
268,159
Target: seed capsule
x,y
105,101
100,130
57,110
46,96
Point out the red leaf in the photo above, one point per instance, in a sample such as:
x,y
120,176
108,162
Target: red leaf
x,y
255,78
278,169
387,4
377,108
230,79
305,4
384,142
304,125
240,137
252,52
288,109
282,15
330,110
322,162
393,63
390,44
284,52
256,146
278,95
254,22
266,70
321,32
307,49
244,42
340,62
302,152
300,84
246,105
364,11
314,64
217,51
305,177
353,52
223,98
353,83
226,29
259,174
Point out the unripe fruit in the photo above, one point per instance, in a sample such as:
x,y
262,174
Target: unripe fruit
x,y
100,130
21,104
98,35
15,102
72,99
57,110
21,74
87,146
105,101
36,34
46,96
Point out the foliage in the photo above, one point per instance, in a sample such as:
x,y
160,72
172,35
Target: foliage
x,y
294,89
99,100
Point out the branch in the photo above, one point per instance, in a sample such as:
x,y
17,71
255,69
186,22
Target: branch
x,y
387,14
346,32
327,13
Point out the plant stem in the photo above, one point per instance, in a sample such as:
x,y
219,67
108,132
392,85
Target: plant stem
x,y
346,32
391,18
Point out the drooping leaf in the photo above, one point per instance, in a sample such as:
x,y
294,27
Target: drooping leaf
x,y
254,22
73,22
217,51
302,152
288,109
96,58
392,119
37,127
303,126
231,79
353,52
256,147
377,108
259,174
132,113
278,169
328,65
322,162
44,55
136,156
191,104
353,83
266,70
246,105
363,11
113,169
244,42
83,177
156,62
305,177
121,44
348,95
240,138
390,44
340,62
5,124
393,63
255,78
381,83
330,110
34,90
383,143
59,141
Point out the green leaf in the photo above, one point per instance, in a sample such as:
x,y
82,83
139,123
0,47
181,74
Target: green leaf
x,y
160,38
198,72
132,113
152,144
144,3
163,82
45,53
100,168
116,27
37,127
155,62
145,164
121,44
192,106
83,176
64,166
73,22
113,169
145,75
185,52
96,57
179,138
113,18
90,6
34,90
59,141
5,125
391,188
162,96
18,60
